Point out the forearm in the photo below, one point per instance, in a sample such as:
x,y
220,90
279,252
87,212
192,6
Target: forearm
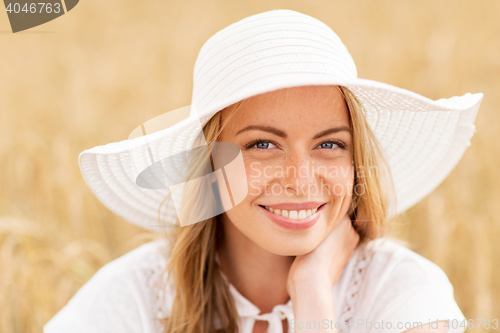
x,y
313,307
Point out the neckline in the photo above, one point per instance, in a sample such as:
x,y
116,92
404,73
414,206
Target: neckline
x,y
347,280
243,305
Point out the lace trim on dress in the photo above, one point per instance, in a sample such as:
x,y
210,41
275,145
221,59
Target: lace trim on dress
x,y
155,278
351,299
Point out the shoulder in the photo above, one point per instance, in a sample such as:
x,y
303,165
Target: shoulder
x,y
152,255
120,297
392,257
400,285
395,270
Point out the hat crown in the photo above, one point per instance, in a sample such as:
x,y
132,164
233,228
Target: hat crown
x,y
260,52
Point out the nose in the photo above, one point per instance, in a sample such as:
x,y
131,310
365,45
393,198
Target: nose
x,y
298,173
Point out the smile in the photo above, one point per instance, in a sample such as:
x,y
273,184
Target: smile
x,y
294,219
292,214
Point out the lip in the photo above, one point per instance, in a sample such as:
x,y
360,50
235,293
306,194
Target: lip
x,y
296,206
290,224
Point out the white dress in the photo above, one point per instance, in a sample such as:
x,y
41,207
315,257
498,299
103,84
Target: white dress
x,y
385,287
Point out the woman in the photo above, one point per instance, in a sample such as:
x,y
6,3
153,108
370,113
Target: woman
x,y
285,232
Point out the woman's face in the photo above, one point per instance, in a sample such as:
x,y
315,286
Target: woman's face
x,y
297,149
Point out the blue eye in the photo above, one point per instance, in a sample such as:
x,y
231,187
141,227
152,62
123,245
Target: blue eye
x,y
262,145
328,145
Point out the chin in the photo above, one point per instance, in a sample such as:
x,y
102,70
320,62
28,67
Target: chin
x,y
291,248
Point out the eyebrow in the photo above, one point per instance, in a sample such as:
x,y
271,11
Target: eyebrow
x,y
282,134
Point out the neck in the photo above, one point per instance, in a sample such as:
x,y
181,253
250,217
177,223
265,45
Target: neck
x,y
260,276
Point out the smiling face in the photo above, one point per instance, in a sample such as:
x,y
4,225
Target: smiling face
x,y
297,148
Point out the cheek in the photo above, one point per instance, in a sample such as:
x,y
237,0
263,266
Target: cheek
x,y
258,176
337,180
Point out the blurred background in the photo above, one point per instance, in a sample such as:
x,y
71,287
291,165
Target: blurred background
x,y
91,76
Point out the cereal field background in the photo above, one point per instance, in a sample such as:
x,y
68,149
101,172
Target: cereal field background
x,y
93,75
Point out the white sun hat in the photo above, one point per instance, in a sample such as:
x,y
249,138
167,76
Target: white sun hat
x,y
422,139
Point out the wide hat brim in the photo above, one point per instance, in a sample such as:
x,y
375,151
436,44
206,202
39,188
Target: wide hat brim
x,y
422,141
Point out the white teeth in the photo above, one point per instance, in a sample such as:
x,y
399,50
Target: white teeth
x,y
293,214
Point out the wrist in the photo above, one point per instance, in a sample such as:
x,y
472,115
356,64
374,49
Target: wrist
x,y
313,302
309,284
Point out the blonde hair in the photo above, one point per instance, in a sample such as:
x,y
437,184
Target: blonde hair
x,y
202,296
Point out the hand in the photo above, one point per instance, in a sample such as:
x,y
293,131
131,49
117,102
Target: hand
x,y
325,263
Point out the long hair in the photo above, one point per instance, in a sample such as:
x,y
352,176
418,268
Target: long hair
x,y
373,186
203,302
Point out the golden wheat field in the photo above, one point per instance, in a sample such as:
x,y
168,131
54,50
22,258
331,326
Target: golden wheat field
x,y
91,76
